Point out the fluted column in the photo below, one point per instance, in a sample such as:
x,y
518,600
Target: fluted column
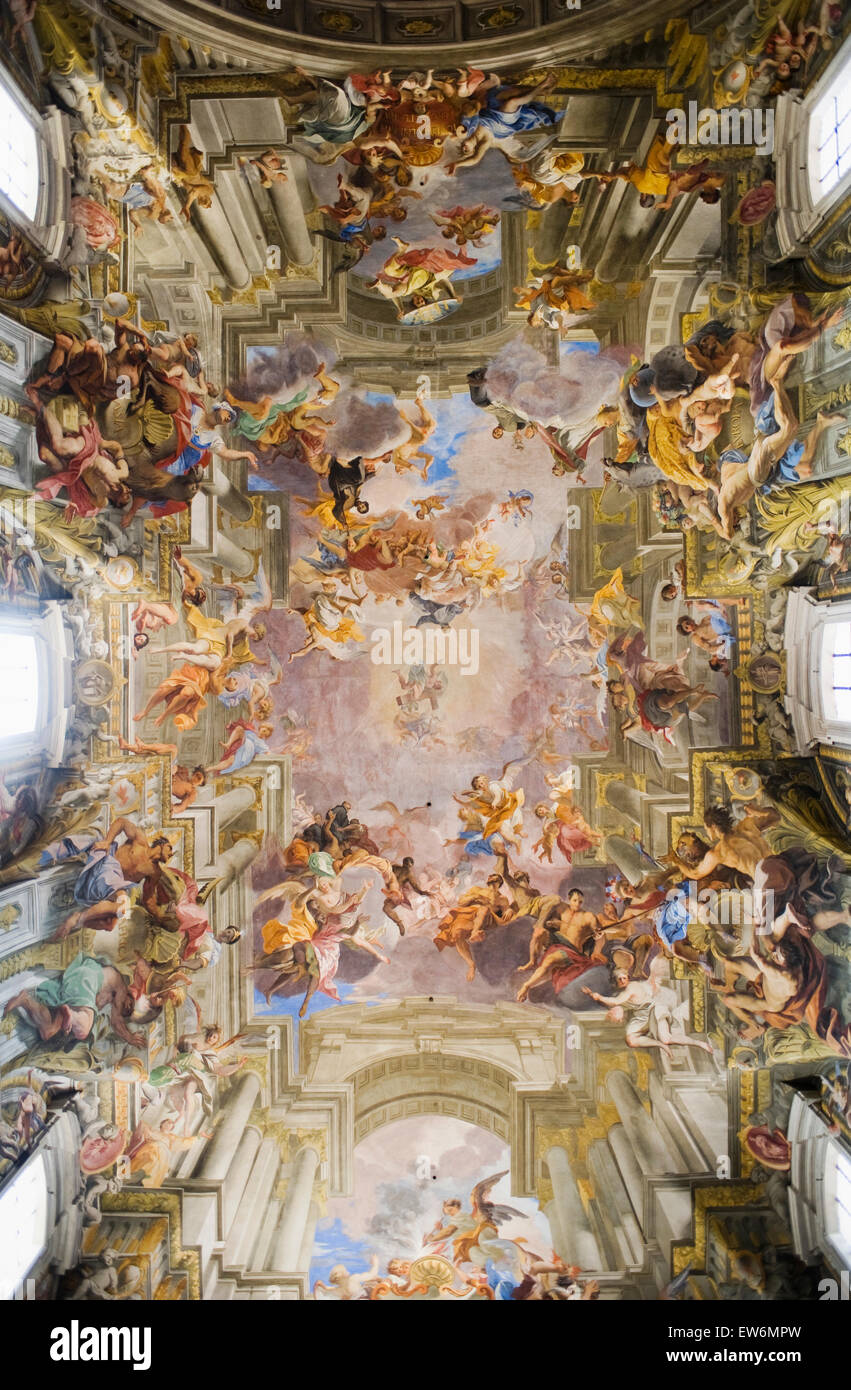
x,y
248,1225
613,1200
232,556
238,1174
626,857
306,1252
628,1167
230,499
221,1150
625,799
231,863
581,1245
654,1155
217,235
293,1224
290,214
232,804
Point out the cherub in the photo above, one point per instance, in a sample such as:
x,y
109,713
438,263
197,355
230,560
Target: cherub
x,y
789,52
517,505
563,824
269,165
473,224
187,171
555,294
424,506
23,12
344,1285
569,637
420,430
11,259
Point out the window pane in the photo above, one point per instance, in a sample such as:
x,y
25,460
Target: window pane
x,y
18,155
841,639
831,129
18,684
23,1224
843,1196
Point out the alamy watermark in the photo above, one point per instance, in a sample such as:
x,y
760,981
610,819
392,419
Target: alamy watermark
x,y
78,1343
744,907
735,125
429,646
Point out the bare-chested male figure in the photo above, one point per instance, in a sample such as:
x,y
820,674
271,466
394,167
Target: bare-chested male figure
x,y
109,870
737,845
570,931
69,1003
398,889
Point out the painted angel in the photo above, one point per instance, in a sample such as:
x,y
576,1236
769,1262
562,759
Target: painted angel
x,y
476,1240
493,808
473,224
563,825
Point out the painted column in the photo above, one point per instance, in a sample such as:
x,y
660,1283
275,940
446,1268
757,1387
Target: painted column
x,y
238,1174
231,863
290,214
551,1212
654,1155
613,1201
251,1216
581,1245
221,1150
232,804
294,1218
217,235
628,1167
217,484
306,1252
232,556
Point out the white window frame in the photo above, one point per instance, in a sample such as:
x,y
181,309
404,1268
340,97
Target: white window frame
x,y
838,1241
16,215
809,685
20,123
16,746
800,214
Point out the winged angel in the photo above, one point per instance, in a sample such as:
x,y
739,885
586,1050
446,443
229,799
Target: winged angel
x,y
306,947
476,1240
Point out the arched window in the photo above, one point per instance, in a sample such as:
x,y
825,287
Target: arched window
x,y
36,685
812,141
837,1200
817,641
830,137
23,1224
19,685
836,670
19,155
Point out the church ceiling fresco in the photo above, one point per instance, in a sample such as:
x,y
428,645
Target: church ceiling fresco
x,y
425,607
